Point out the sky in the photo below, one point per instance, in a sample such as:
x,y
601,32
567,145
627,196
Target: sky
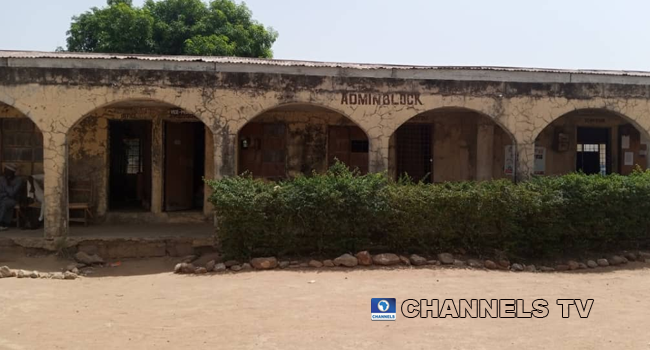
x,y
572,34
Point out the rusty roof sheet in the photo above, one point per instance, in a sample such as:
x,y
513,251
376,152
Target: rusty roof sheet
x,y
298,63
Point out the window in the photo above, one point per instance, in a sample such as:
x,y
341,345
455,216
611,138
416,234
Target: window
x,y
133,156
359,146
601,149
22,142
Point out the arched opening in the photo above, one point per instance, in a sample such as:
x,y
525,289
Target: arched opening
x,y
139,160
451,144
299,139
21,147
594,141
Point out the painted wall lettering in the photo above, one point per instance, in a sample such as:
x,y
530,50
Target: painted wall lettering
x,y
370,99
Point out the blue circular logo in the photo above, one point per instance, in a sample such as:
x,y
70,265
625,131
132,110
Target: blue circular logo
x,y
383,305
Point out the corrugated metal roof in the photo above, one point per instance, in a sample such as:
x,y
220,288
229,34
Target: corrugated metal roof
x,y
296,63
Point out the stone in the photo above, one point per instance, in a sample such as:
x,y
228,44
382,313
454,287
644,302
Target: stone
x,y
231,263
210,265
21,274
446,258
75,271
516,267
562,268
5,272
346,260
643,256
630,256
200,270
405,260
546,269
178,268
328,263
434,262
246,267
303,265
592,264
188,259
459,263
617,260
235,268
87,259
34,274
581,266
386,259
265,263
284,264
530,268
315,263
220,267
573,265
71,267
504,264
204,259
364,258
491,265
475,263
417,260
186,268
57,276
295,262
602,262
70,276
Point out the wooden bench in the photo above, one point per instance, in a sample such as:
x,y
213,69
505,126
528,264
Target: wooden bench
x,y
81,195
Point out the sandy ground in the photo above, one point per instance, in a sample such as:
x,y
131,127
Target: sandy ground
x,y
140,305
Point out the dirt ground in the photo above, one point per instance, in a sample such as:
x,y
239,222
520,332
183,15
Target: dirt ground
x,y
140,305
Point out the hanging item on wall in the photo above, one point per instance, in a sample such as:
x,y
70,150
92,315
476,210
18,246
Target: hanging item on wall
x,y
561,142
509,163
625,141
540,160
629,158
643,150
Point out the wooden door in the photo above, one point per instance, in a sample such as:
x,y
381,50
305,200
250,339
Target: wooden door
x,y
262,150
348,144
179,166
414,152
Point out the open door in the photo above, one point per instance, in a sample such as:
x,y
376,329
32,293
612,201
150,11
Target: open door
x,y
179,166
414,152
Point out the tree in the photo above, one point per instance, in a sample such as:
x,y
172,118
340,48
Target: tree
x,y
171,27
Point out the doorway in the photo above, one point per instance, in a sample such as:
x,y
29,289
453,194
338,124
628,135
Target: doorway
x,y
349,145
184,165
414,152
130,165
593,151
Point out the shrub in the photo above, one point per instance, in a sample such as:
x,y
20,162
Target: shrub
x,y
342,211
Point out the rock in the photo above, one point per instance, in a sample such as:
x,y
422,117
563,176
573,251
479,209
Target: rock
x,y
581,266
405,260
200,270
184,268
71,267
188,259
220,267
328,263
205,259
235,268
602,262
386,259
45,275
21,274
517,267
562,268
417,260
315,263
246,267
231,263
475,263
630,256
210,265
446,258
178,268
34,274
530,268
265,263
295,262
504,264
573,265
70,276
592,264
491,265
434,262
303,265
5,272
459,263
346,260
284,264
643,256
546,269
364,258
75,271
84,258
617,260
57,276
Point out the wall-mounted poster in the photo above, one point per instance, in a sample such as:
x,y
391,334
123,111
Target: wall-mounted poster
x,y
540,160
509,164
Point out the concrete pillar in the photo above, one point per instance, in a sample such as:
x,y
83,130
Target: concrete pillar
x,y
208,209
225,154
525,161
55,164
484,151
378,153
157,165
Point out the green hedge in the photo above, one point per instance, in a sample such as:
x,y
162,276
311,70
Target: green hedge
x,y
341,211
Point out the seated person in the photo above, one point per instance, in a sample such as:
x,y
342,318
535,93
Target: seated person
x,y
10,187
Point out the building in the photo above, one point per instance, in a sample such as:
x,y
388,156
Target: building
x,y
134,135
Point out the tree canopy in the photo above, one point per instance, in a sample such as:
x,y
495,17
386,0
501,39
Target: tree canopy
x,y
171,27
